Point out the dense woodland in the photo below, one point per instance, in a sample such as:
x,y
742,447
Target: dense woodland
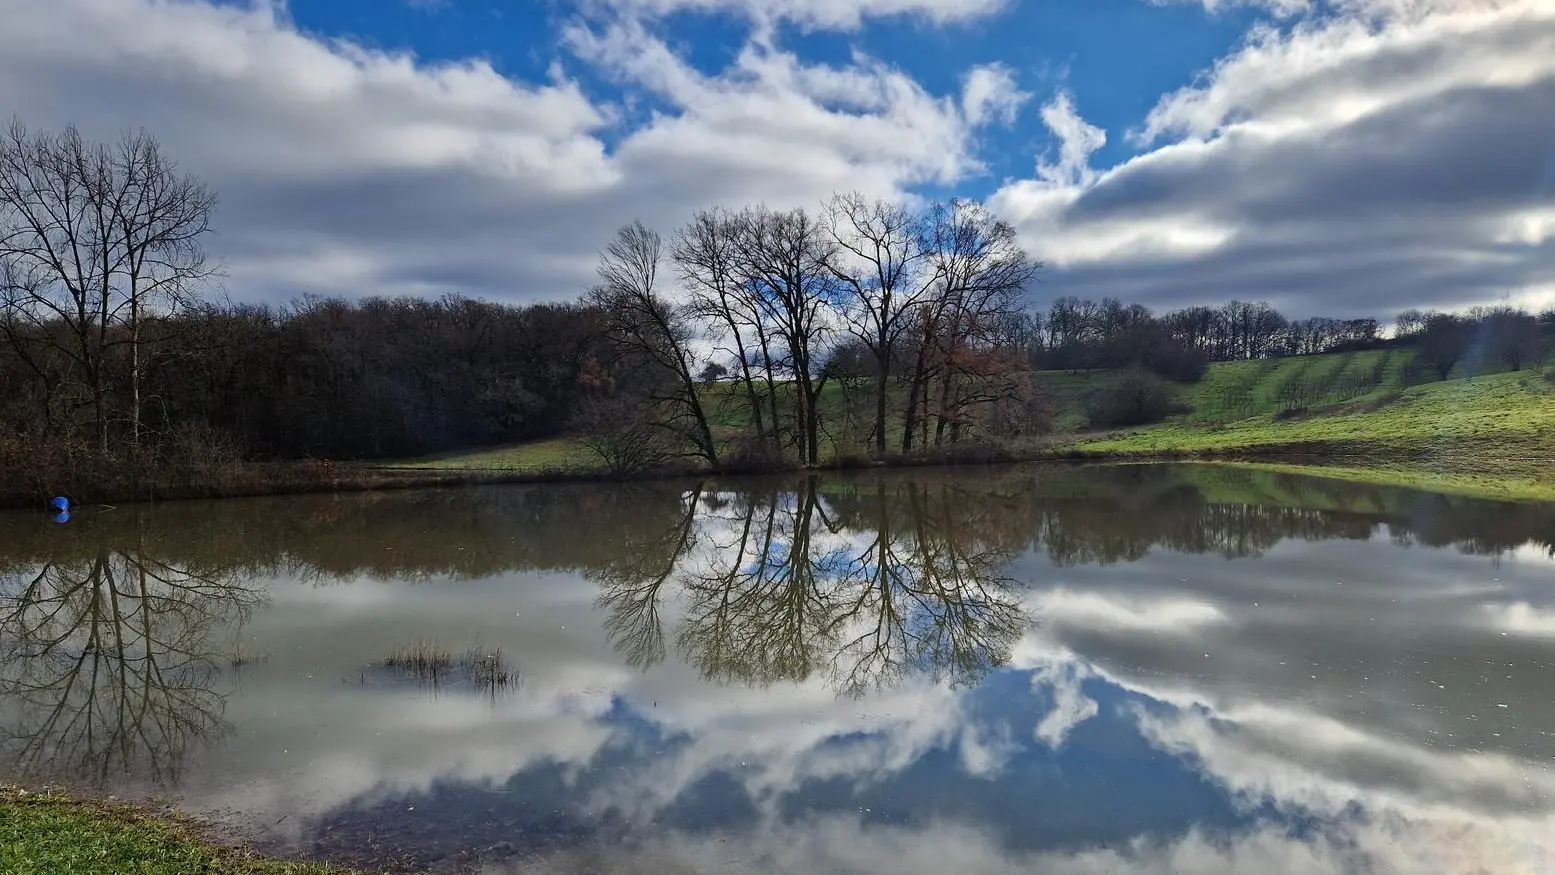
x,y
717,343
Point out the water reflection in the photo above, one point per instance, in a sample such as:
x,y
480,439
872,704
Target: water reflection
x,y
1073,670
778,590
110,660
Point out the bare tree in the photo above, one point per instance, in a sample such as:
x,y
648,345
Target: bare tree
x,y
1443,342
638,319
881,249
784,257
705,251
97,238
981,273
1411,322
1513,336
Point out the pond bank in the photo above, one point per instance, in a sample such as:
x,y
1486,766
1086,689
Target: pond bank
x,y
47,833
1473,467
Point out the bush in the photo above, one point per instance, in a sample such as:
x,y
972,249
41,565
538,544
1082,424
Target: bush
x,y
1138,397
1179,362
751,454
622,433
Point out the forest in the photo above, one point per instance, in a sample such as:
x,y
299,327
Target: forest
x,y
717,346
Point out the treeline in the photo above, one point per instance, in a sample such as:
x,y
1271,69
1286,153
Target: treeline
x,y
720,344
1077,334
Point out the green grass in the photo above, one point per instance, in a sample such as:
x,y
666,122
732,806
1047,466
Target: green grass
x,y
551,456
1515,407
1529,485
1237,390
52,834
1490,435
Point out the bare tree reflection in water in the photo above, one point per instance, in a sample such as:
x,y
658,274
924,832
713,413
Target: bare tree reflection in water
x,y
926,595
778,589
632,579
109,662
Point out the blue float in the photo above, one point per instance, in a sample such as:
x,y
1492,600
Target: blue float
x,y
60,503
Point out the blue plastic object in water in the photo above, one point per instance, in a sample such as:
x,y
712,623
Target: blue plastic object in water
x,y
60,503
62,517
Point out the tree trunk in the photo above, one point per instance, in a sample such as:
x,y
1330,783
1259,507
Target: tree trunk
x,y
135,366
882,380
914,393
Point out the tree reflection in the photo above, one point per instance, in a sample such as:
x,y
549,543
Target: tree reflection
x,y
109,662
929,597
634,575
778,589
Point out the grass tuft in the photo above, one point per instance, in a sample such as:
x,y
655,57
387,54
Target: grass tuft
x,y
421,658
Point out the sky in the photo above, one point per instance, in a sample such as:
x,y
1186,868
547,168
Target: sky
x,y
1332,157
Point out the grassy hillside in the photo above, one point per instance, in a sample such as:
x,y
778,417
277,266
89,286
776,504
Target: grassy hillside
x,y
1460,434
1353,413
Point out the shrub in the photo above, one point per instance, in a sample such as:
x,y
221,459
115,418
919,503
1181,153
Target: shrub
x,y
1179,362
622,433
1138,397
751,454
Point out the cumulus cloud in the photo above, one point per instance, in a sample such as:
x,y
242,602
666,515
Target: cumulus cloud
x,y
990,93
1377,156
1351,157
347,170
845,15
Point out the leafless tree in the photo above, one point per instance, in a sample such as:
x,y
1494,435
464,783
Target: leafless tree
x,y
639,319
98,239
1513,336
981,273
705,252
881,253
784,257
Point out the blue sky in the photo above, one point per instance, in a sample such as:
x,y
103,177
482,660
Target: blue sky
x,y
1118,56
1332,157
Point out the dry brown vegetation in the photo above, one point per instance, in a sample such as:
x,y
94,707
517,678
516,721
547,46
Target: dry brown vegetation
x,y
430,662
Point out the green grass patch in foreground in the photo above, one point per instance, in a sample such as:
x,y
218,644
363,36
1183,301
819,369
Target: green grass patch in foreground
x,y
52,834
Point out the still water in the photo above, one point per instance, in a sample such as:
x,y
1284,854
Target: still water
x,y
1059,670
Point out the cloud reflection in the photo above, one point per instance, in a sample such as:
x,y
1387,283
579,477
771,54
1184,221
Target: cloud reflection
x,y
1052,671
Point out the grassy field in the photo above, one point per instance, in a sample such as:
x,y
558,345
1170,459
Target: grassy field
x,y
50,834
556,455
1348,415
1490,435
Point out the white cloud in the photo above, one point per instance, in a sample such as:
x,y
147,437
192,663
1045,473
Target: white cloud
x,y
1077,140
346,170
1522,619
1355,158
780,129
1371,156
845,15
990,93
1164,615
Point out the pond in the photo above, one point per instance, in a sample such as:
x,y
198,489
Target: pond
x,y
1132,669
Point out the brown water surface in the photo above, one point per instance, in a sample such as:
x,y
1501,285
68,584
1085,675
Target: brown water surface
x,y
1032,669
